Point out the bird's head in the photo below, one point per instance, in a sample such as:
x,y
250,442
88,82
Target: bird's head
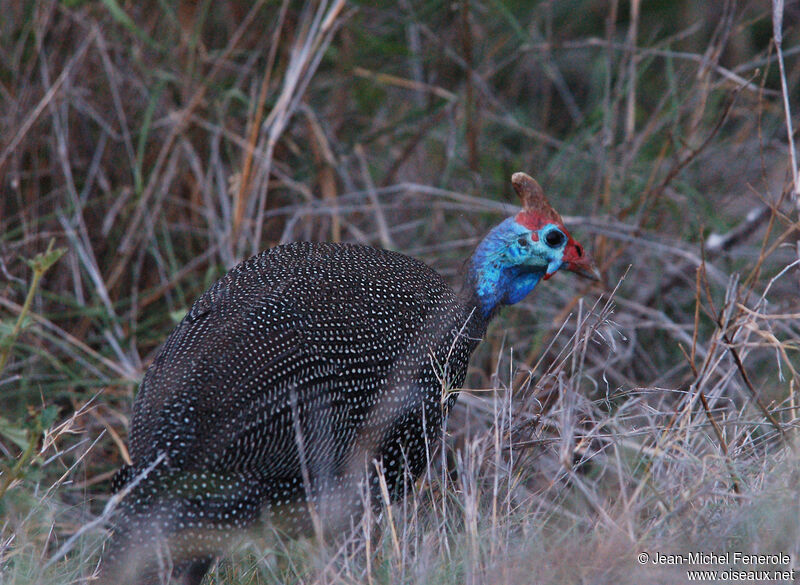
x,y
524,249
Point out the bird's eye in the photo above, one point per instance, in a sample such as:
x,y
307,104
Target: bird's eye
x,y
523,241
554,238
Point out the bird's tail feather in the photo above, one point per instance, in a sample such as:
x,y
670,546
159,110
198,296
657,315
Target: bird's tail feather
x,y
171,526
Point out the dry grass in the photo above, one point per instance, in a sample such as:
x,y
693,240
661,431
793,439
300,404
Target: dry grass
x,y
160,143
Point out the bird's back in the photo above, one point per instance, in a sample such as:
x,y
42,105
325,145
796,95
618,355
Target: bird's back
x,y
349,335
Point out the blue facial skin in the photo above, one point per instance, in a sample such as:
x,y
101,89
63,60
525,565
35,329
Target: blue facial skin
x,y
508,264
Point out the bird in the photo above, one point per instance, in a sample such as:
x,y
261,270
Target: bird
x,y
310,375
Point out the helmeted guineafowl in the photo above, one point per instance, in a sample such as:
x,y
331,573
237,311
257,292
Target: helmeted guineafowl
x,y
298,375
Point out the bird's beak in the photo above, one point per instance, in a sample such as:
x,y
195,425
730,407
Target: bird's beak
x,y
584,270
577,260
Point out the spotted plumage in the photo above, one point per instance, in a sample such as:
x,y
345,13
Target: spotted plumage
x,y
297,376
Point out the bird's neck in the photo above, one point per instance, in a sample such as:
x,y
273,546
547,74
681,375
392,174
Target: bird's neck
x,y
490,282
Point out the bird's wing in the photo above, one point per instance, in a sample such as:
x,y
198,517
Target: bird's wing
x,y
289,381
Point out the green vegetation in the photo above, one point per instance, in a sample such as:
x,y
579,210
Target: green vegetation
x,y
146,147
